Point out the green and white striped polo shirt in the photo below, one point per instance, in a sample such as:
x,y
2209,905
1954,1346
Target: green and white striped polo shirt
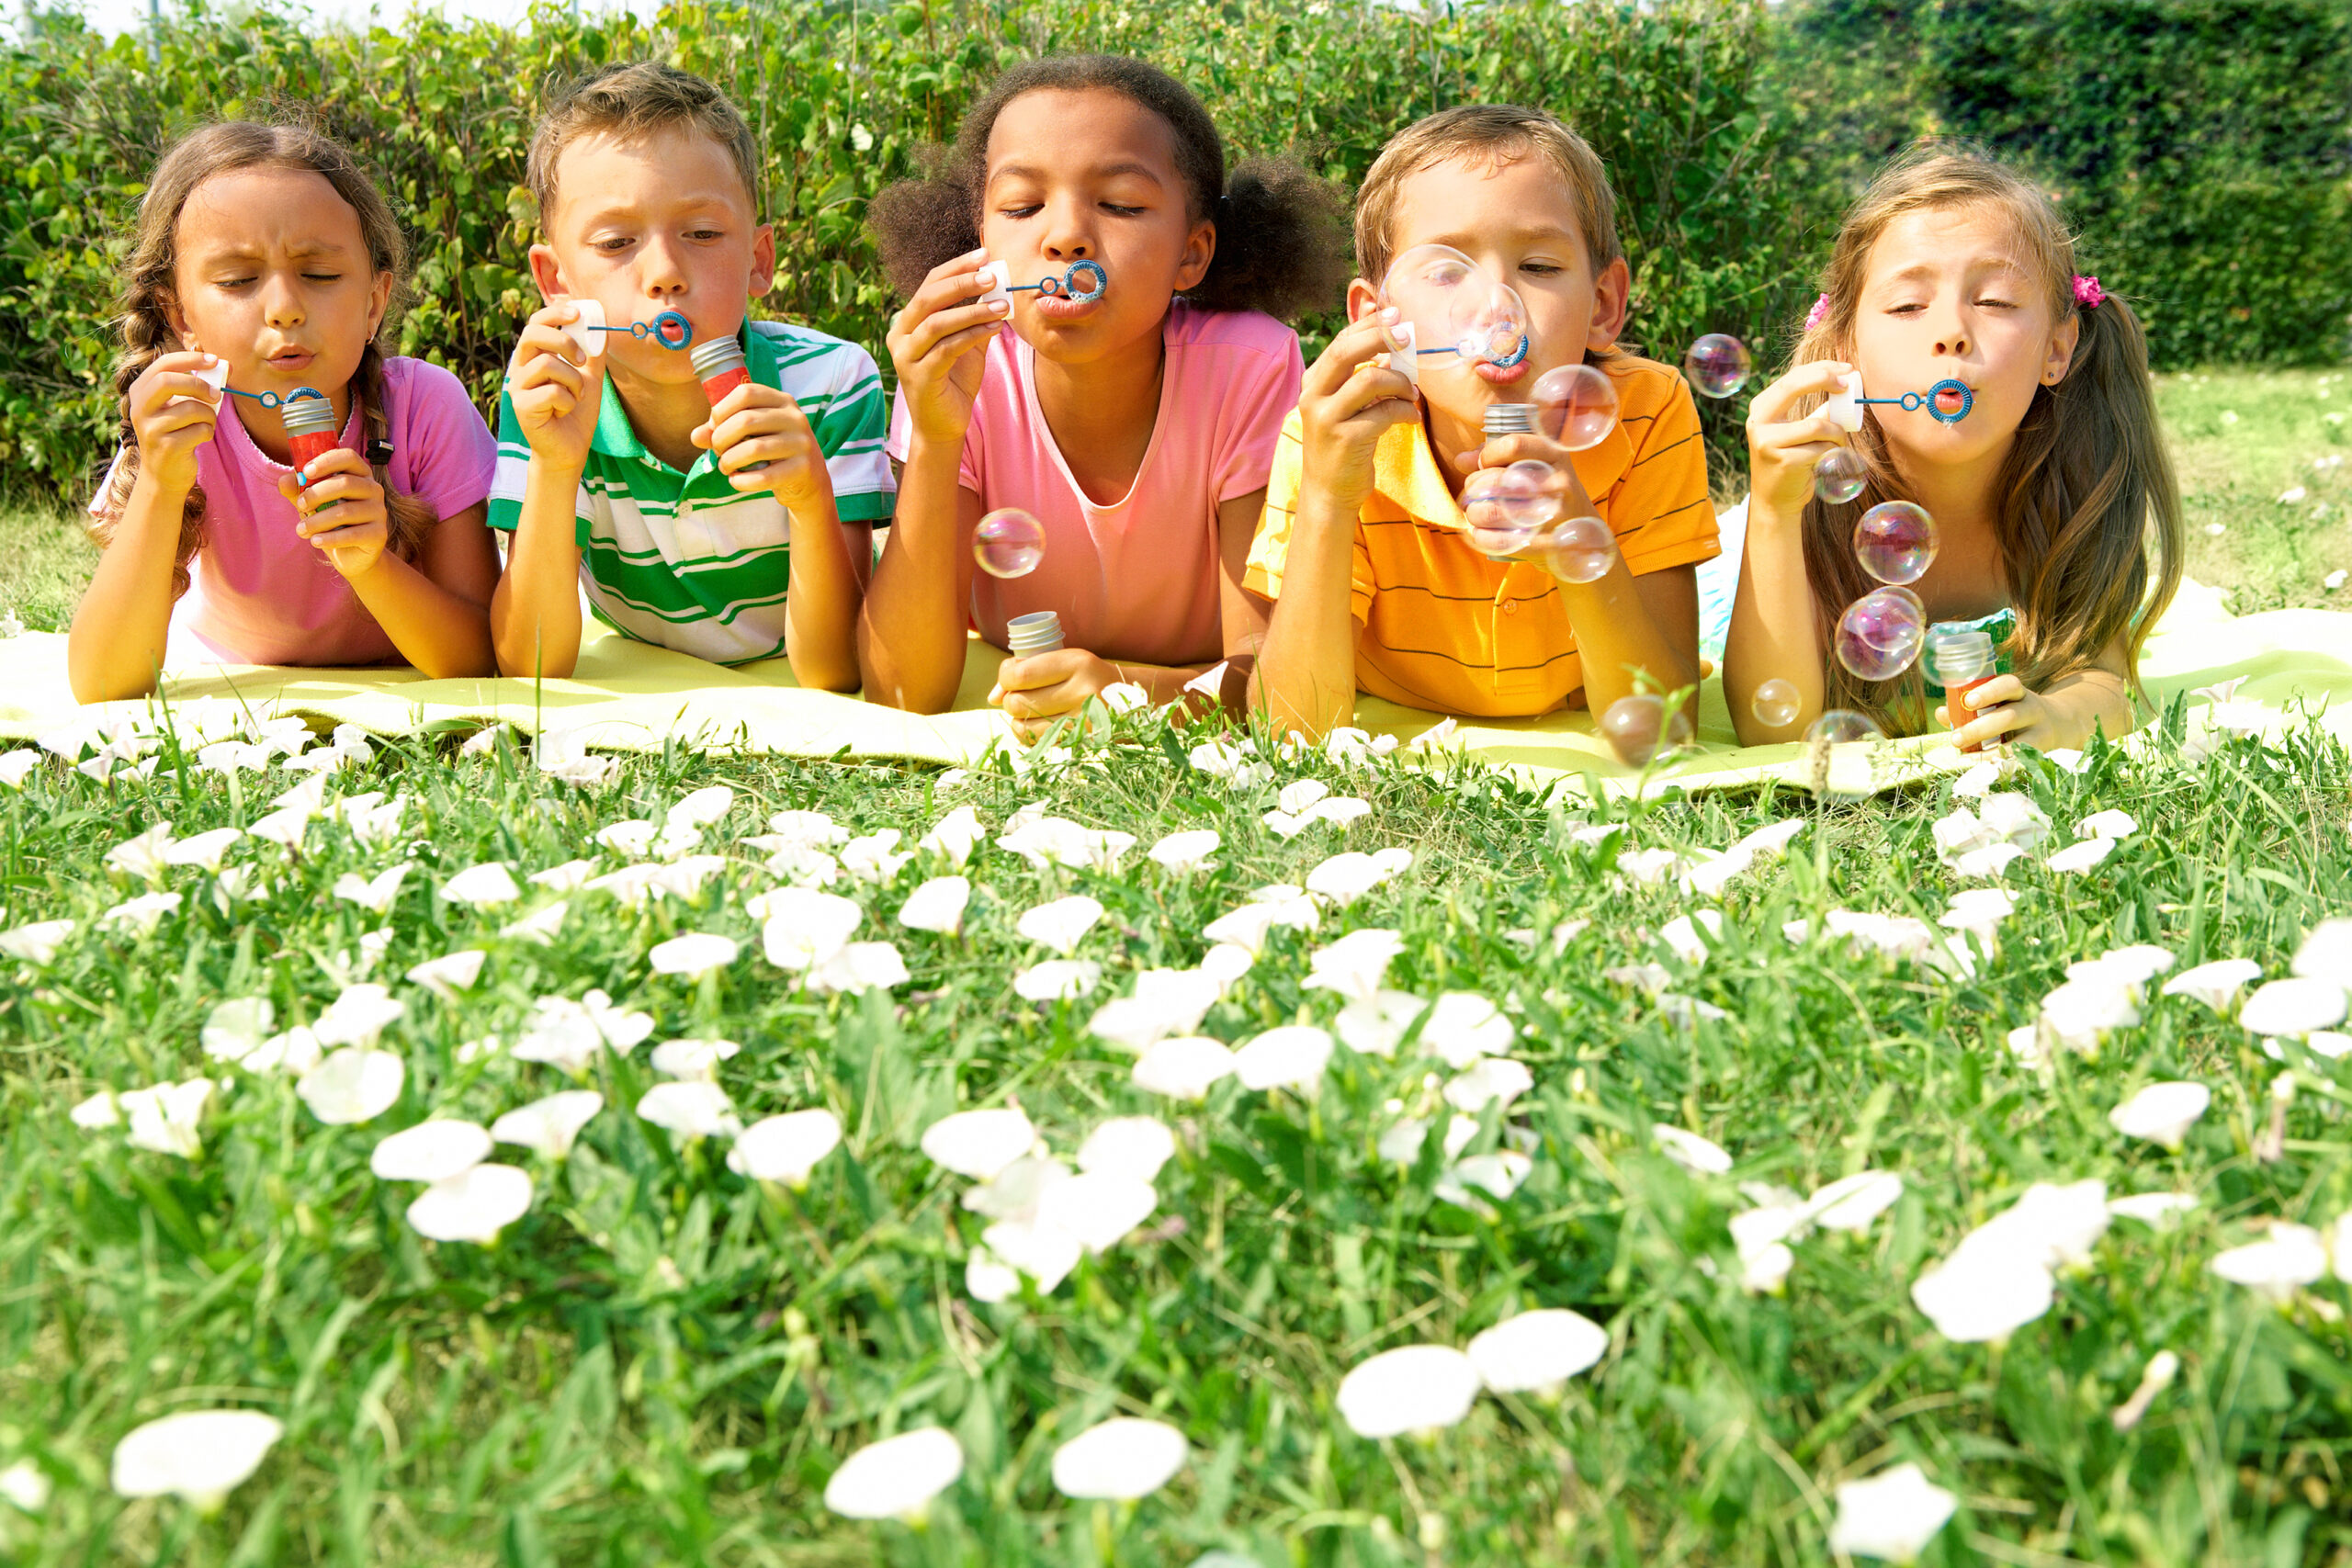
x,y
683,560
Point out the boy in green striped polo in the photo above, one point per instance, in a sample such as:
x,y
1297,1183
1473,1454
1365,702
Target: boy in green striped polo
x,y
733,532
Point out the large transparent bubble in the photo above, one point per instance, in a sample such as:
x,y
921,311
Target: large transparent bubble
x,y
1776,703
1009,543
1844,749
1839,476
1895,541
1453,303
1880,634
1578,549
1576,405
1507,507
1638,727
1717,365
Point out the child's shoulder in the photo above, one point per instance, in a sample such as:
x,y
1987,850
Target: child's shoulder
x,y
802,349
1189,326
421,376
1646,383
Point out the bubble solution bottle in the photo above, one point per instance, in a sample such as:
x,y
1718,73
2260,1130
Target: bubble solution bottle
x,y
309,430
720,365
1040,631
1960,660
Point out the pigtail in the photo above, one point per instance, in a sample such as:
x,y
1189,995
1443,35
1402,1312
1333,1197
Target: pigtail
x,y
1281,243
407,518
919,224
147,336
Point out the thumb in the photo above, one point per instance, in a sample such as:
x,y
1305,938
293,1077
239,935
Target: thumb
x,y
701,435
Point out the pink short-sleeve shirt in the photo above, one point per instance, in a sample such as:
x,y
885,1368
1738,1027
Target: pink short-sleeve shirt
x,y
1135,578
260,593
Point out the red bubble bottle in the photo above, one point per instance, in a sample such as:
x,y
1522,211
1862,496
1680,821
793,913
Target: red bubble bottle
x,y
1960,660
309,427
720,366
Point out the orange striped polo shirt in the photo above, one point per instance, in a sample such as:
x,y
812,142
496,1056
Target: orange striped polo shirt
x,y
1440,627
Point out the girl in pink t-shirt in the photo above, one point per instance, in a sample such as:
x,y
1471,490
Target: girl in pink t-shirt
x,y
264,263
1137,427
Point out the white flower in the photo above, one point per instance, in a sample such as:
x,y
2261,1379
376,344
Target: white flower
x,y
874,857
2151,1208
199,1455
164,1118
2162,1112
1099,1208
2163,1366
784,1148
561,1033
979,1144
1046,1253
1851,1202
2294,1008
2081,1013
860,966
1291,1057
954,836
352,1086
1124,697
539,927
484,887
1376,1024
564,754
234,1029
1682,935
695,812
1355,965
691,1108
548,1126
204,850
297,1051
1185,851
694,954
36,943
1490,1080
1497,1174
937,906
2107,825
97,1112
633,837
141,914
569,877
1415,1388
2325,953
1347,876
692,1058
1690,1151
1057,980
1225,963
896,1478
1298,795
1062,924
1185,1068
16,765
1537,1350
1647,868
1989,1297
374,895
1119,1460
1247,926
2133,967
474,1205
1980,910
357,1016
802,928
430,1151
451,973
2051,1225
142,857
23,1484
1165,1002
2081,856
1891,1516
2288,1258
812,829
1128,1146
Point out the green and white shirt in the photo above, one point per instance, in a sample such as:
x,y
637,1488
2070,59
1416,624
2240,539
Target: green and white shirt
x,y
683,560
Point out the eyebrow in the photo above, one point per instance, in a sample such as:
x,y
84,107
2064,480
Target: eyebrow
x,y
1101,172
1524,231
305,251
1924,271
694,205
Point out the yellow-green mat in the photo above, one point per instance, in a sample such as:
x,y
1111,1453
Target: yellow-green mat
x,y
630,696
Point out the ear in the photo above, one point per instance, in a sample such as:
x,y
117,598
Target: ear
x,y
1613,294
1363,299
380,299
548,273
1200,249
174,317
762,260
2061,356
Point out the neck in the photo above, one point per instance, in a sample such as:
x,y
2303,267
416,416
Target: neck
x,y
664,414
1102,413
267,431
1450,436
1969,576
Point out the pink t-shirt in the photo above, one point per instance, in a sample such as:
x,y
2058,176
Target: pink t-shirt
x,y
263,595
1136,579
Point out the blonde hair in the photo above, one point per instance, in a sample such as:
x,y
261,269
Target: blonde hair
x,y
629,103
2086,479
1498,134
149,286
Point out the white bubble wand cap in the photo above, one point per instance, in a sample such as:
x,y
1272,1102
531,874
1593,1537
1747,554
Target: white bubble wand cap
x,y
1845,405
588,320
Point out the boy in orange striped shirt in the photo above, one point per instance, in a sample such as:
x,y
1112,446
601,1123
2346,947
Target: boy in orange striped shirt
x,y
1363,545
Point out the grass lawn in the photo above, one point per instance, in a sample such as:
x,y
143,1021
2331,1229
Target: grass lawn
x,y
669,1351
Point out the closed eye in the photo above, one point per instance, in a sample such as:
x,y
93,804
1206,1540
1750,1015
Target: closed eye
x,y
1121,211
1027,212
1542,269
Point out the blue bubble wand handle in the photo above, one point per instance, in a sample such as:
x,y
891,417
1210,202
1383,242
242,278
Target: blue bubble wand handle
x,y
1912,402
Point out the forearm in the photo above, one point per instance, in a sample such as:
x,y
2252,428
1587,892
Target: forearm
x,y
1772,635
2084,705
1305,677
115,645
910,628
534,610
821,605
1620,646
443,633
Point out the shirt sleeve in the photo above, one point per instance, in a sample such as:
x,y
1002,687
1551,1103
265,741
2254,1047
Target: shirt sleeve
x,y
1660,511
850,430
1269,549
512,468
1257,405
452,461
968,463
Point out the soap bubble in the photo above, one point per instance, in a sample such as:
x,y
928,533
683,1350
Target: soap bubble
x,y
1842,726
1845,758
1776,703
1881,633
1895,541
1576,405
1636,728
1009,543
1718,365
1453,303
1579,549
1840,475
1506,506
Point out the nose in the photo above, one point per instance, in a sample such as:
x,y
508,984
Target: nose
x,y
662,268
1952,341
282,303
1068,235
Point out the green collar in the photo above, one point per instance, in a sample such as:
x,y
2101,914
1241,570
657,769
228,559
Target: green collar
x,y
617,437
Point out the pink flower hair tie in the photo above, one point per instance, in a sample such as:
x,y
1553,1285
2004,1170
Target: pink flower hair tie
x,y
2088,293
1820,312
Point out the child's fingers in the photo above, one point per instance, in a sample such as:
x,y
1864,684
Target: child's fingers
x,y
948,335
176,386
540,339
549,370
1774,403
1348,351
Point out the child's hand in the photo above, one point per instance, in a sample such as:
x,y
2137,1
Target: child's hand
x,y
2006,712
173,412
1040,691
554,397
354,531
938,344
1351,396
760,424
1781,450
1564,486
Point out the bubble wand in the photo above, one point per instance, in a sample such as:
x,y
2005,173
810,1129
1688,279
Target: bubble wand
x,y
669,328
1001,287
1912,402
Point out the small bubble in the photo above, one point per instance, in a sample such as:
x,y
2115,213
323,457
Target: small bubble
x,y
1576,405
1776,703
1580,549
1880,634
1895,541
1506,506
1718,365
1845,766
1636,726
1840,475
1009,543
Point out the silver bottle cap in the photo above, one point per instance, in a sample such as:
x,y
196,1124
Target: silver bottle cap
x,y
1510,419
1040,631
